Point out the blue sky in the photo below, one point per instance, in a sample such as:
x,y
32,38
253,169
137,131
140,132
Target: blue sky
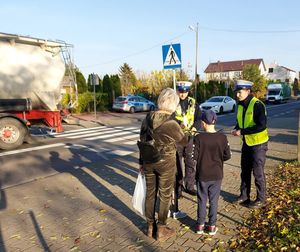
x,y
105,34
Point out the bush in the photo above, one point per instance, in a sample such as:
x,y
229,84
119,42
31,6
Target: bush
x,y
84,100
276,226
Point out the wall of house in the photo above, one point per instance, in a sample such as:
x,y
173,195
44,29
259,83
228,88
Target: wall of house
x,y
281,73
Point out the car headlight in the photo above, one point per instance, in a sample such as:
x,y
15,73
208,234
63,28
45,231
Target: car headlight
x,y
216,106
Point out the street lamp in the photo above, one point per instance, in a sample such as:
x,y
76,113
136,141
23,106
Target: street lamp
x,y
195,29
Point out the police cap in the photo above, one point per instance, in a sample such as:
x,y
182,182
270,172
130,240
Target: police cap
x,y
242,84
183,86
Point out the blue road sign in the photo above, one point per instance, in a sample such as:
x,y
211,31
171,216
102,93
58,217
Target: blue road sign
x,y
171,56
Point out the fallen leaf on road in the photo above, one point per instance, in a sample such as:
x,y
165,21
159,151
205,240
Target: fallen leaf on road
x,y
16,236
77,241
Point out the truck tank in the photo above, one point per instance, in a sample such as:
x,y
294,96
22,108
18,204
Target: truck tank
x,y
31,68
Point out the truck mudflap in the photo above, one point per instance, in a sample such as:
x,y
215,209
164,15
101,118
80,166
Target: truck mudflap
x,y
13,131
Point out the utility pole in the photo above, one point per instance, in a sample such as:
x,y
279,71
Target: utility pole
x,y
195,29
196,68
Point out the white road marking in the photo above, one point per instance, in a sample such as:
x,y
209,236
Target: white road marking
x,y
112,140
106,136
98,131
121,152
77,130
7,153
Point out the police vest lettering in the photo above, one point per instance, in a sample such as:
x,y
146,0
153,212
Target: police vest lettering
x,y
188,118
256,138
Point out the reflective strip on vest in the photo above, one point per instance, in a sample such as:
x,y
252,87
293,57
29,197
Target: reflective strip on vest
x,y
256,138
188,118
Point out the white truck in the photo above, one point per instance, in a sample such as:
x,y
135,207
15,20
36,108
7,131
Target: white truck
x,y
31,71
278,92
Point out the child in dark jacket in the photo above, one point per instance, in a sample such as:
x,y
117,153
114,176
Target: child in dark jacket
x,y
211,149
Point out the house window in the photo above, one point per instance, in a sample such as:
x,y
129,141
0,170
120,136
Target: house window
x,y
224,75
271,70
237,74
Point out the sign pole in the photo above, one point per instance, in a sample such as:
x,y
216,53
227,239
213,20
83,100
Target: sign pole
x,y
174,80
94,84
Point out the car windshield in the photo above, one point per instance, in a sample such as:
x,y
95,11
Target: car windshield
x,y
273,92
215,99
118,99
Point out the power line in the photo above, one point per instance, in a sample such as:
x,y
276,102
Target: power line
x,y
136,53
248,31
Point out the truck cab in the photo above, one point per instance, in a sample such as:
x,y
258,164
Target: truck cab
x,y
278,92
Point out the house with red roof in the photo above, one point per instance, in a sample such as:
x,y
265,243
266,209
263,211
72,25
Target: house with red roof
x,y
231,70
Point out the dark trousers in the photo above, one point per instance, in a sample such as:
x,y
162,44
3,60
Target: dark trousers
x,y
253,160
176,192
160,179
208,190
186,154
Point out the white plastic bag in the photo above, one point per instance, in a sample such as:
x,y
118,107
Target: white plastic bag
x,y
139,195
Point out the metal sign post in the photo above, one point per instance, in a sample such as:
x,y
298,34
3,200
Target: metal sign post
x,y
95,81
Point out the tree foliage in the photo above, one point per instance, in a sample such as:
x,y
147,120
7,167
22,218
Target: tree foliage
x,y
296,86
81,82
128,79
116,85
252,73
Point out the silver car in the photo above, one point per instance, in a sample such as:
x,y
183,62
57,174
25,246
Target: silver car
x,y
132,103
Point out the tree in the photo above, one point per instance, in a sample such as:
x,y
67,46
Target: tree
x,y
108,88
116,85
98,88
296,86
128,79
252,73
81,82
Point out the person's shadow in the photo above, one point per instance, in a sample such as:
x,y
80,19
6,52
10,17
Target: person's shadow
x,y
3,204
100,191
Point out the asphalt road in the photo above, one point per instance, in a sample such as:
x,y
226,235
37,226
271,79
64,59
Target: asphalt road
x,y
108,143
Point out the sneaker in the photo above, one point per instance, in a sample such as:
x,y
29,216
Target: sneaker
x,y
179,215
200,229
212,230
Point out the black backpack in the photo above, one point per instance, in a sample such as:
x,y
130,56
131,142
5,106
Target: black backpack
x,y
148,150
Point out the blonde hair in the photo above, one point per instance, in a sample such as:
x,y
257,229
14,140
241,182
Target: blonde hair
x,y
168,100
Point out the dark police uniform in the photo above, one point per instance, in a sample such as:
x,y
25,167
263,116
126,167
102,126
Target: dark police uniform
x,y
188,115
252,123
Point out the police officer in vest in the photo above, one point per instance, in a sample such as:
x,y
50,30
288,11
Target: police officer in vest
x,y
188,115
251,127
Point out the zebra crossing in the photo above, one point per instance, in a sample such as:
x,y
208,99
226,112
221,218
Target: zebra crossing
x,y
119,135
125,135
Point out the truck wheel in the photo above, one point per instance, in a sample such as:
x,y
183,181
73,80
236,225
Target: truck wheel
x,y
12,133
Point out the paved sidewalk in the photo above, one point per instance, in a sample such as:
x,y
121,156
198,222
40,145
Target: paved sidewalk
x,y
89,209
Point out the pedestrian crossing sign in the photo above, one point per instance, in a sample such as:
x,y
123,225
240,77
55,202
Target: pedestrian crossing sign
x,y
171,56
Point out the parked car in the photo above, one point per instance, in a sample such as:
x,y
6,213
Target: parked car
x,y
132,103
219,104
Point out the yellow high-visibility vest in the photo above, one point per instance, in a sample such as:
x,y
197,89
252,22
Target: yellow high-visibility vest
x,y
188,118
256,138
